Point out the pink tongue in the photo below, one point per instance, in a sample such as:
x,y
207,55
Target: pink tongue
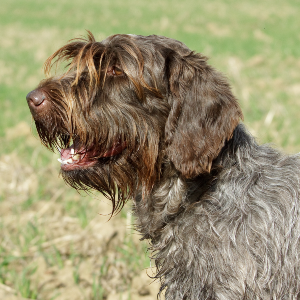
x,y
66,153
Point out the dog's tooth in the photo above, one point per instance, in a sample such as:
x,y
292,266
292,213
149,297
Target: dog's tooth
x,y
69,161
76,156
63,162
72,151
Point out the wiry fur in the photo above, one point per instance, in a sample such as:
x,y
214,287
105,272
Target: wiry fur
x,y
233,234
220,211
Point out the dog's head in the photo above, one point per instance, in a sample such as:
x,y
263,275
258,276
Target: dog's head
x,y
126,104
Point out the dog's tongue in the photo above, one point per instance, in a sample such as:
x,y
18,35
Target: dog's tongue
x,y
66,153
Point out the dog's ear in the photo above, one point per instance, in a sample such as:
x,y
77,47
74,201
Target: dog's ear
x,y
203,113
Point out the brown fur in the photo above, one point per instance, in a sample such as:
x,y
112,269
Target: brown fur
x,y
159,93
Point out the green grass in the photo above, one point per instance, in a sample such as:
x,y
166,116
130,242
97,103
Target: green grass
x,y
51,240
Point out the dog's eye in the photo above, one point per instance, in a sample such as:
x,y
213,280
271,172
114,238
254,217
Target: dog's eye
x,y
114,71
117,71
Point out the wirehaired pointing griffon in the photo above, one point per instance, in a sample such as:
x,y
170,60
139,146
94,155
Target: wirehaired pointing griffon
x,y
147,118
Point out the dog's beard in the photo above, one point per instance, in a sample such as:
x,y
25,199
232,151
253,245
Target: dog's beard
x,y
118,171
117,177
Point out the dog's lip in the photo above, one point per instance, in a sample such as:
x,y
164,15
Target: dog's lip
x,y
76,157
117,148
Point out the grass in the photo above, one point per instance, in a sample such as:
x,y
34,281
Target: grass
x,y
56,243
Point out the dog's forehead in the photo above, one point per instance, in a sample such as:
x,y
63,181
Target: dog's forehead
x,y
147,42
116,37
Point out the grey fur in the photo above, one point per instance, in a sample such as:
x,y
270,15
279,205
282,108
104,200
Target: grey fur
x,y
232,235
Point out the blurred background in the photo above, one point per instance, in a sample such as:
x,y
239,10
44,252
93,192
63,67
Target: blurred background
x,y
58,244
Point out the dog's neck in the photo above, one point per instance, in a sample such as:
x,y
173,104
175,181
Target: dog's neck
x,y
162,204
173,193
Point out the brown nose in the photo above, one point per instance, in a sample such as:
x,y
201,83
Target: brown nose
x,y
35,98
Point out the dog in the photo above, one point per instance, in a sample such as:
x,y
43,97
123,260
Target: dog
x,y
145,118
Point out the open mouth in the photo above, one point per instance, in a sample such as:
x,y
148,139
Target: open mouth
x,y
78,157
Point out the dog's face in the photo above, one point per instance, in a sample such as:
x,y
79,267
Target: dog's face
x,y
126,104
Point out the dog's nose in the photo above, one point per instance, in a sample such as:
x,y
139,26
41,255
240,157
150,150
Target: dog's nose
x,y
36,97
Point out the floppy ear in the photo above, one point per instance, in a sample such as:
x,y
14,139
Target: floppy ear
x,y
203,113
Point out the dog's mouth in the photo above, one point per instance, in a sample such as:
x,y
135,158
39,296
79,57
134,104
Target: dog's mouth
x,y
78,157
